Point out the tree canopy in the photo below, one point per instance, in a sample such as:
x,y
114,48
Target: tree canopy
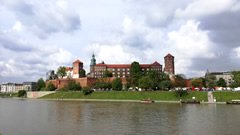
x,y
117,84
135,73
221,83
61,71
40,84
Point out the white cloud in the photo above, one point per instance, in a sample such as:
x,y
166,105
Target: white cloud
x,y
187,43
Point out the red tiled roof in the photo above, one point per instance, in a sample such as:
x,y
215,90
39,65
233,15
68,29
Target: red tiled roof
x,y
169,55
69,68
126,65
156,63
77,61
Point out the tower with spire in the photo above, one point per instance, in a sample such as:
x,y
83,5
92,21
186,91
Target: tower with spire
x,y
92,64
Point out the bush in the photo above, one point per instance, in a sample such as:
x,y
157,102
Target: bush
x,y
22,93
50,87
87,91
181,93
74,86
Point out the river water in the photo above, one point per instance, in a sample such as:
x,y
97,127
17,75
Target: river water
x,y
37,117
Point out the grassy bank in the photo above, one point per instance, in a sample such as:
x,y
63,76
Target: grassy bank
x,y
127,95
8,94
223,96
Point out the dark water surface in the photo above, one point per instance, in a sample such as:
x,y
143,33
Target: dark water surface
x,y
35,117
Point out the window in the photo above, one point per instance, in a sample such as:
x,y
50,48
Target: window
x,y
118,69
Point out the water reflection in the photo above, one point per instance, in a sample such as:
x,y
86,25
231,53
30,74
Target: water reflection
x,y
33,117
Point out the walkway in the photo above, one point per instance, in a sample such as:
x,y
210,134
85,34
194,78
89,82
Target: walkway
x,y
210,97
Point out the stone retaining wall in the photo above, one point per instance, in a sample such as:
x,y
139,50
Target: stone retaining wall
x,y
38,94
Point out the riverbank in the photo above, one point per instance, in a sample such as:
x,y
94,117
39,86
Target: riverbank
x,y
127,95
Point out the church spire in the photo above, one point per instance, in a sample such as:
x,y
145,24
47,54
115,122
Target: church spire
x,y
93,60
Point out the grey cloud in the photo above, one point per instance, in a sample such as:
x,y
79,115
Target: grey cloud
x,y
24,8
12,45
43,19
223,28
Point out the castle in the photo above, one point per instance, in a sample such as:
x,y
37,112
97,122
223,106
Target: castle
x,y
123,70
98,70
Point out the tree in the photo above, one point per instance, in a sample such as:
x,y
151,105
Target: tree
x,y
165,85
107,74
154,76
221,82
210,81
179,81
117,84
61,71
40,84
236,78
82,73
50,87
135,73
146,82
197,82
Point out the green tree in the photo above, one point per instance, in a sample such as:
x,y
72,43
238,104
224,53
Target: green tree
x,y
135,73
210,81
236,78
40,84
146,82
221,82
107,74
117,84
61,71
165,85
50,87
154,76
82,73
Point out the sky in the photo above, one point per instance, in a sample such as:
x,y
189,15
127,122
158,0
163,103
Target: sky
x,y
38,36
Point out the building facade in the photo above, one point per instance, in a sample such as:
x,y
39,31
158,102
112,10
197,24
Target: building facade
x,y
123,70
11,87
30,86
227,76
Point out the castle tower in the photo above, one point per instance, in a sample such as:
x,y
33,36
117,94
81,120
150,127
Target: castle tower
x,y
77,67
169,64
92,64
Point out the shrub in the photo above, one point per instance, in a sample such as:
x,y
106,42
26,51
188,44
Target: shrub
x,y
181,93
22,93
74,86
87,91
50,87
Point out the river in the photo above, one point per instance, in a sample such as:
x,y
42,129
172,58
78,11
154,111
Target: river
x,y
39,117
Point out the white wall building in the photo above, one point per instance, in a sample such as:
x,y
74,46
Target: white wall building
x,y
11,87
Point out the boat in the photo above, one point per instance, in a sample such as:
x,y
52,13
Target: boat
x,y
147,101
192,101
234,102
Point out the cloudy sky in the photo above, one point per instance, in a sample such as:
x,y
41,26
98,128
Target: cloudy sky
x,y
36,36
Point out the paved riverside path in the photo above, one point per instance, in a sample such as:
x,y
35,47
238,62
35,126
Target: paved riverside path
x,y
210,97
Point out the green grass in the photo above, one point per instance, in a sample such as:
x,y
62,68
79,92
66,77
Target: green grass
x,y
223,96
8,94
127,95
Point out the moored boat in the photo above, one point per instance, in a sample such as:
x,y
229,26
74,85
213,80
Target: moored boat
x,y
147,101
234,102
190,102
